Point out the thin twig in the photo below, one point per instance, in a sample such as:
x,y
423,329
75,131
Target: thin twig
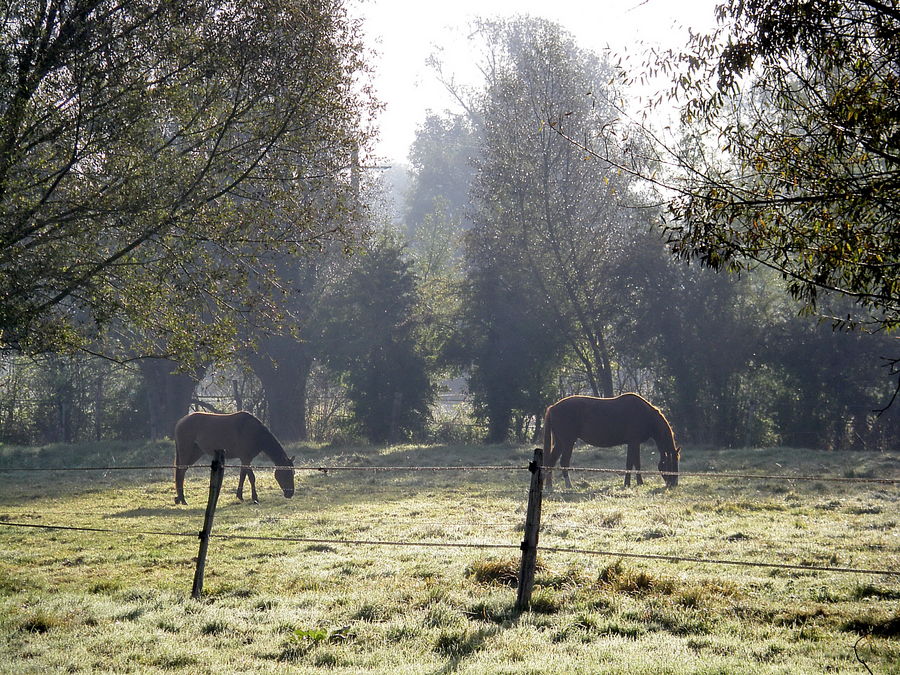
x,y
856,652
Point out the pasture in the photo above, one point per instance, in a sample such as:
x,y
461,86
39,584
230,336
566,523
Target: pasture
x,y
84,601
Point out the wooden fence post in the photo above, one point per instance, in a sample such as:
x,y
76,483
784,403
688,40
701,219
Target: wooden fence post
x,y
532,526
216,474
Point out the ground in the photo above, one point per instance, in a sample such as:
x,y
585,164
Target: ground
x,y
119,600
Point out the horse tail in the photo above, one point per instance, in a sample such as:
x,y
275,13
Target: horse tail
x,y
179,435
184,442
548,439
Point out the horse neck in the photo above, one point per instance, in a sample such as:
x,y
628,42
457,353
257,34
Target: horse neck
x,y
663,435
274,450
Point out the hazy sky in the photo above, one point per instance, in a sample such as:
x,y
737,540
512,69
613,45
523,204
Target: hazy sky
x,y
405,32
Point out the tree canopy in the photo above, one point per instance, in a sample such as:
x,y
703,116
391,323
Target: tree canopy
x,y
155,154
803,98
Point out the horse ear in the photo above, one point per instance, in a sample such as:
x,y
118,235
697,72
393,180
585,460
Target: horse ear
x,y
292,458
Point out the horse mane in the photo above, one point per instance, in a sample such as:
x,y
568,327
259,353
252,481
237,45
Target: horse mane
x,y
664,433
268,443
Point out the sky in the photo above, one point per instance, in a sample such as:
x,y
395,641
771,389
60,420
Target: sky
x,y
404,33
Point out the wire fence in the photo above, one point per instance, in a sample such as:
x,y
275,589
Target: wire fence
x,y
473,545
326,468
6,521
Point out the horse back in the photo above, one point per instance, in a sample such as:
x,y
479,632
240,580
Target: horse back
x,y
604,422
203,433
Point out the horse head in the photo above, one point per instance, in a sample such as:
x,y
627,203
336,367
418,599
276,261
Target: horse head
x,y
285,477
668,465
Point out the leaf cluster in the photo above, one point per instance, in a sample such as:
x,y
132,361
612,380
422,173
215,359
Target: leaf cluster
x,y
156,156
805,175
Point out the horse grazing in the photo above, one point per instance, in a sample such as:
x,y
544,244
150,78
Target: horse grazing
x,y
240,435
605,422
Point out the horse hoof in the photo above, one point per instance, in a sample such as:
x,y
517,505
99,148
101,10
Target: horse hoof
x,y
256,501
239,496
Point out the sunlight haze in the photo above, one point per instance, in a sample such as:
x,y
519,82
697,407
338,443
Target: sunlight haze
x,y
403,34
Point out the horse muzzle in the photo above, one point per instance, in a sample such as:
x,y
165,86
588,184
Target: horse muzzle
x,y
288,493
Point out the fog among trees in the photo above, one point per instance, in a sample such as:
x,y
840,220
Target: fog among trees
x,y
192,217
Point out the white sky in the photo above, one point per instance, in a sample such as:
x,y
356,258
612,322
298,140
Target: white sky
x,y
404,33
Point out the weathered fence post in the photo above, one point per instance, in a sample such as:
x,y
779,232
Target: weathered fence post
x,y
216,474
532,526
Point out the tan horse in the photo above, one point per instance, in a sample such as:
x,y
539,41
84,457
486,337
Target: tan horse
x,y
240,435
605,422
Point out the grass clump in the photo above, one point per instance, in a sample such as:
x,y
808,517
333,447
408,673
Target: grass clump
x,y
41,621
460,643
493,610
544,601
503,572
878,626
618,577
871,591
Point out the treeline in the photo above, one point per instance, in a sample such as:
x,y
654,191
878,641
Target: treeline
x,y
507,258
728,359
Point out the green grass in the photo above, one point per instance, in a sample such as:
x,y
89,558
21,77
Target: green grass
x,y
73,601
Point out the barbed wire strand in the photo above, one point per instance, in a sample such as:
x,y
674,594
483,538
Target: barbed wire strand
x,y
710,474
718,561
74,528
714,474
548,549
385,468
168,467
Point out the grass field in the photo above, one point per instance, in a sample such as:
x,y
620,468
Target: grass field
x,y
75,601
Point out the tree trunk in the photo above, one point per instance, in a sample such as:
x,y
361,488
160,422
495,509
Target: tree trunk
x,y
168,394
283,366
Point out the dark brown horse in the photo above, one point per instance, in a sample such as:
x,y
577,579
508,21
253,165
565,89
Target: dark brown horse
x,y
605,422
240,435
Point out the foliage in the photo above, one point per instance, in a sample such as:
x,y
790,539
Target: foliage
x,y
537,254
506,335
61,398
153,153
563,219
441,160
802,97
370,336
568,289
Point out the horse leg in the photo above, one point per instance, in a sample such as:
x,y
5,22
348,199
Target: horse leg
x,y
252,478
629,465
179,484
636,451
180,468
550,461
562,451
566,461
240,487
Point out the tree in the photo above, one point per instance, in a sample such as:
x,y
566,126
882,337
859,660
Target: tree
x,y
564,218
507,337
154,154
435,220
442,163
282,358
805,97
369,336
